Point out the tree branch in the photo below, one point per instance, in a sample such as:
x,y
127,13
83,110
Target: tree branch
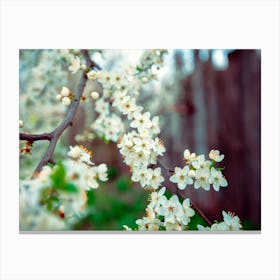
x,y
53,136
90,63
35,137
65,123
183,197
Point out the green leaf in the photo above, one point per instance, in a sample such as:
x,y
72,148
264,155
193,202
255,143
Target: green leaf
x,y
58,177
196,220
69,187
112,172
123,184
91,197
139,69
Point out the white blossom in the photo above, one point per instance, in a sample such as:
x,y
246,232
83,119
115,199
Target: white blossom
x,y
128,106
141,120
215,155
217,179
65,91
66,101
75,65
200,162
154,178
92,75
232,221
188,156
94,95
181,177
170,209
157,198
21,124
202,179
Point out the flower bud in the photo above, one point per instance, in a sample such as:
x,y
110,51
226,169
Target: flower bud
x,y
65,91
20,123
94,95
66,101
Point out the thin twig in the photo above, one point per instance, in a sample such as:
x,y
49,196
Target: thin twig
x,y
171,171
35,137
90,63
201,214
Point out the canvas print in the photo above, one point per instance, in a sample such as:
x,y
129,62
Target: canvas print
x,y
147,140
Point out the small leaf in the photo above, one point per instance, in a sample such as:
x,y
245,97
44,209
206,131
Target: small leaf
x,y
112,172
123,184
69,187
58,177
91,197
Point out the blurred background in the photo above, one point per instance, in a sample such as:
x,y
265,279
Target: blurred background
x,y
206,99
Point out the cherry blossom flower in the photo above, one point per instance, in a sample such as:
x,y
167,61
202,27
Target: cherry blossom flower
x,y
202,179
232,221
75,65
139,175
188,156
102,106
65,92
141,120
119,98
181,177
200,162
65,96
150,222
66,101
92,75
80,153
155,129
154,178
157,198
170,209
188,212
215,155
217,179
128,106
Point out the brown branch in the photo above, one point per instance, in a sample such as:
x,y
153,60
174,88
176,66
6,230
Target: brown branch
x,y
65,123
53,136
183,196
35,137
201,214
90,63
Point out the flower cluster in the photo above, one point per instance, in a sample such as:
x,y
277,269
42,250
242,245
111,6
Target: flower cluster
x,y
115,81
72,57
139,147
139,150
82,169
76,65
65,96
57,196
149,65
108,126
200,172
166,214
32,216
231,222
